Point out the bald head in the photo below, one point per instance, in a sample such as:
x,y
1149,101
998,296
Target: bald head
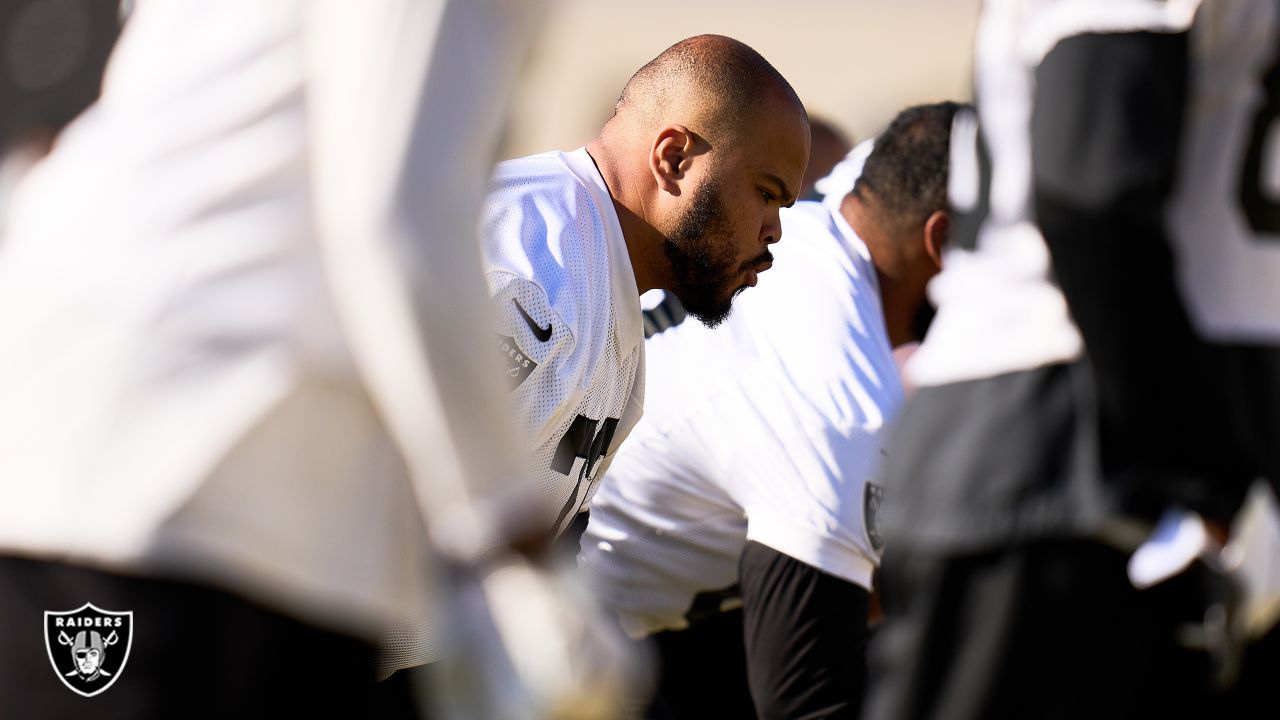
x,y
707,143
714,84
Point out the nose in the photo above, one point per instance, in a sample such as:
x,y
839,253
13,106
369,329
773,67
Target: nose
x,y
771,231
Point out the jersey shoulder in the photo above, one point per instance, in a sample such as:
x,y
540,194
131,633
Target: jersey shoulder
x,y
541,226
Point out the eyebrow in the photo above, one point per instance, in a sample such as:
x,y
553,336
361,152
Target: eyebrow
x,y
783,191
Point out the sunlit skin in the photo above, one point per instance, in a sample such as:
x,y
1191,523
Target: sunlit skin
x,y
733,215
734,190
698,175
728,224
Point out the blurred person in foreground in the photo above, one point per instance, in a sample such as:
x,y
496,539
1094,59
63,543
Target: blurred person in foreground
x,y
1103,357
681,190
749,482
240,400
52,55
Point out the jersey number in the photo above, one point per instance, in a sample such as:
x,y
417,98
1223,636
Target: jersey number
x,y
581,441
1262,208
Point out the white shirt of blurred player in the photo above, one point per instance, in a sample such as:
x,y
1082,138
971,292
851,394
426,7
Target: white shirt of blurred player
x,y
767,429
1229,271
176,394
840,181
570,326
999,309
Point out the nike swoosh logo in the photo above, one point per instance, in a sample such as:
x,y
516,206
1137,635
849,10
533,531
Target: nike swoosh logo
x,y
543,334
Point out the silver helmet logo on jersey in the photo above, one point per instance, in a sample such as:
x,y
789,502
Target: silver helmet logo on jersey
x,y
872,498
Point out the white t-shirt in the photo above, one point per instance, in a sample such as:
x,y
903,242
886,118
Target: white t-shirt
x,y
569,319
218,299
768,428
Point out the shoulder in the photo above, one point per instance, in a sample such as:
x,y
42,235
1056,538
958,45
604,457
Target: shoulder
x,y
540,224
538,204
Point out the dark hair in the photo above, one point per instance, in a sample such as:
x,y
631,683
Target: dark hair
x,y
906,171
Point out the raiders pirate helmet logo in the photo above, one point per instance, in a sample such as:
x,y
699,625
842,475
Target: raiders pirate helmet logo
x,y
88,646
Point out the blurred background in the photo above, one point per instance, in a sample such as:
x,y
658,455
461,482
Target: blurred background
x,y
854,63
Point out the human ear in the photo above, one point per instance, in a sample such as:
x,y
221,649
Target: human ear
x,y
669,157
936,229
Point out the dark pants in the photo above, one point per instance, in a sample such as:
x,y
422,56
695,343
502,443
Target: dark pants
x,y
1049,629
1253,696
795,651
806,636
702,671
195,652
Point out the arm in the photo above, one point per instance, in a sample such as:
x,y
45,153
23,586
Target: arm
x,y
405,98
1105,139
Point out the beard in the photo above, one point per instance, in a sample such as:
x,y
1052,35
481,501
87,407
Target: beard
x,y
700,252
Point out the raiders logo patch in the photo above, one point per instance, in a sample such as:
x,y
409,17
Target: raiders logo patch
x,y
872,496
88,646
519,366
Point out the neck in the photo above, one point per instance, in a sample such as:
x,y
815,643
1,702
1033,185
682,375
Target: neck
x,y
644,242
900,291
900,303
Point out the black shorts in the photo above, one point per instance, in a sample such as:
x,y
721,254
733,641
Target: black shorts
x,y
702,671
796,648
806,637
1010,458
1049,629
194,652
1259,379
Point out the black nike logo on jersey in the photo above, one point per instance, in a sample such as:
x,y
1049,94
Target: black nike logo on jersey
x,y
543,334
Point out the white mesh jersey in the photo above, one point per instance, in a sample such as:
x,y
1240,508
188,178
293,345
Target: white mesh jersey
x,y
768,428
1222,217
569,322
191,283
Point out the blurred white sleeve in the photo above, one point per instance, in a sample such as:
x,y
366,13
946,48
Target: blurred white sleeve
x,y
405,103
